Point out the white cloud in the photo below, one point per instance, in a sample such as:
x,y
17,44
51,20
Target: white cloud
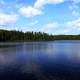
x,y
75,24
30,11
7,18
76,1
36,9
74,10
75,13
49,28
2,2
55,1
34,22
74,6
72,27
41,3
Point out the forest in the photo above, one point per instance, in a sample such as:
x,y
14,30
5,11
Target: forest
x,y
13,35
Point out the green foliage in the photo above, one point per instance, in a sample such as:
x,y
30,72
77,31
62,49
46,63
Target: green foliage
x,y
6,35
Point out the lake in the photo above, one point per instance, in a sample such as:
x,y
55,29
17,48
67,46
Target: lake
x,y
52,60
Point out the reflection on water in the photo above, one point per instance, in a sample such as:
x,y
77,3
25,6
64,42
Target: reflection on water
x,y
58,60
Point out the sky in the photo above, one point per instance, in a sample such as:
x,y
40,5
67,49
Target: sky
x,y
50,16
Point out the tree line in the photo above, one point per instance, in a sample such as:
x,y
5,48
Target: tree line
x,y
6,35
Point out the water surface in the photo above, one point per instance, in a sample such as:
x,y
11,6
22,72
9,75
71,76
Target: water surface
x,y
55,60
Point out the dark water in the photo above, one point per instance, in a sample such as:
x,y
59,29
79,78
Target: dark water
x,y
57,60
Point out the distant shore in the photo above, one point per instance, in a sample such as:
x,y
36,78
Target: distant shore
x,y
19,36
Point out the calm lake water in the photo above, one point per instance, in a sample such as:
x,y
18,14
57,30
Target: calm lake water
x,y
57,60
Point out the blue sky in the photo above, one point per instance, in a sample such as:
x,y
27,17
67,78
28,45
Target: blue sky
x,y
50,16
